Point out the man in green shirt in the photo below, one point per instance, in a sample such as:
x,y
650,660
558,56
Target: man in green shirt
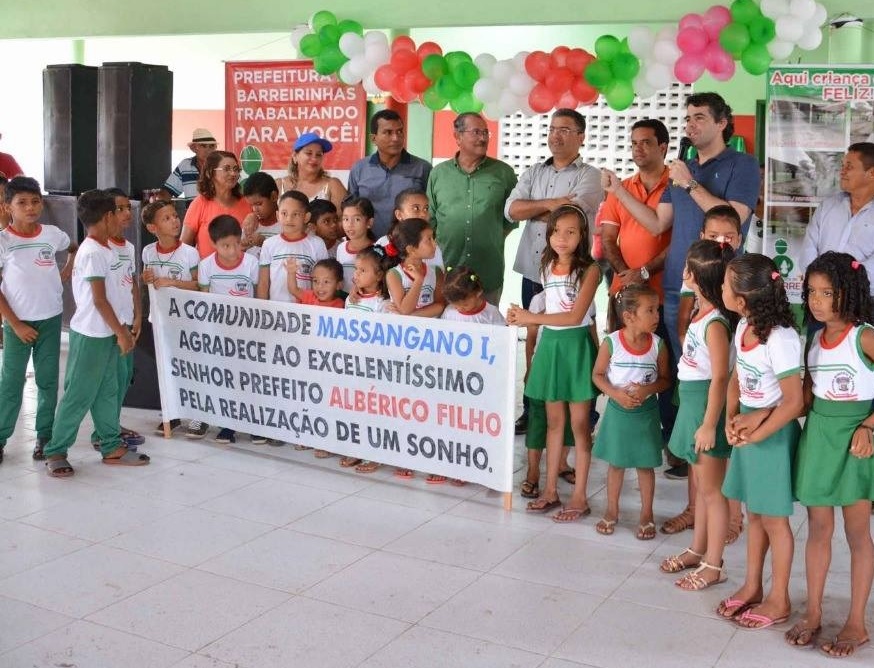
x,y
467,195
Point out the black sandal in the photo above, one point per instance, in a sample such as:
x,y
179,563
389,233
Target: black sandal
x,y
530,490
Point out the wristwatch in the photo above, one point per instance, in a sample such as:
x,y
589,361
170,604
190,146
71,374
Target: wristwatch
x,y
691,185
644,273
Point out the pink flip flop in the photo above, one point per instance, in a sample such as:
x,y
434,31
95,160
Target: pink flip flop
x,y
763,621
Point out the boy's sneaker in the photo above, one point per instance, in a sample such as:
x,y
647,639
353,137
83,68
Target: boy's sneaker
x,y
259,440
196,429
226,436
174,424
38,449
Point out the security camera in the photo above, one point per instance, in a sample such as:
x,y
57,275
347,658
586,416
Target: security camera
x,y
844,20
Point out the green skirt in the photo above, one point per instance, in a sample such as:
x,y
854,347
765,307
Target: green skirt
x,y
535,437
562,366
826,474
693,405
630,438
760,474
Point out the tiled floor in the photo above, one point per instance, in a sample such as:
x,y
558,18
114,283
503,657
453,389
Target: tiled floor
x,y
256,557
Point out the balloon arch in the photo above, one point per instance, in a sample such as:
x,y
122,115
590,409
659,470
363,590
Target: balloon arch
x,y
535,82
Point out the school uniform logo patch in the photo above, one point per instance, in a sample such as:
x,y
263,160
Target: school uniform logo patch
x,y
45,257
843,386
241,289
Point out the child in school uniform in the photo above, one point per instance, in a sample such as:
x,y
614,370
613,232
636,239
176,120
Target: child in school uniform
x,y
262,194
97,338
325,224
30,302
167,262
228,271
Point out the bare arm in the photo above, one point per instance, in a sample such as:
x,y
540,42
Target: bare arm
x,y
536,209
434,309
610,246
104,308
187,236
291,278
23,331
405,303
718,347
790,408
519,316
263,289
684,316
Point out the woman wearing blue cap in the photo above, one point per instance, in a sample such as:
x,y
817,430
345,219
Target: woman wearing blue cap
x,y
305,172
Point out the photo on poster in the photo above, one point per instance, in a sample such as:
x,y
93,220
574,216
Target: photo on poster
x,y
807,124
861,121
796,175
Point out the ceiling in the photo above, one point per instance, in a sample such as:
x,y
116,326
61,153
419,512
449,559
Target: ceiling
x,y
91,18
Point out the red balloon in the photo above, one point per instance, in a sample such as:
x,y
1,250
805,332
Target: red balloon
x,y
537,65
559,80
385,77
559,56
403,43
541,99
585,93
416,81
567,101
577,60
401,91
404,61
427,49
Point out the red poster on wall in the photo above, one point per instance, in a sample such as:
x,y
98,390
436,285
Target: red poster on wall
x,y
269,104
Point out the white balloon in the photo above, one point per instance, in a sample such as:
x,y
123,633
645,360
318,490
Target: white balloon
x,y
659,75
347,76
668,33
519,60
521,84
641,40
643,88
789,29
487,90
526,109
810,40
779,49
485,62
503,70
351,44
375,37
802,9
358,66
508,103
666,52
375,56
297,34
819,16
370,85
774,9
492,110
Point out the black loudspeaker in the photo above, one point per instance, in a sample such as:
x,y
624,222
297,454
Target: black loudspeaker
x,y
70,128
134,124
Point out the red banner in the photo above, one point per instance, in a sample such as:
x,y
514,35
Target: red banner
x,y
269,104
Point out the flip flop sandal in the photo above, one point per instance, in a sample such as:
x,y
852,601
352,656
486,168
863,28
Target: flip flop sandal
x,y
738,607
322,454
606,527
646,531
694,582
569,476
299,447
435,479
367,467
541,505
761,621
566,515
804,633
458,482
530,490
406,474
349,462
851,645
675,563
130,437
59,468
129,458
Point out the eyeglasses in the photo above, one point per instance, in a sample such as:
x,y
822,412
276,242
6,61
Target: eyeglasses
x,y
563,132
476,132
227,169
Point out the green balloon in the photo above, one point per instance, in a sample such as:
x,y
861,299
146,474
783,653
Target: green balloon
x,y
321,19
329,61
330,35
348,25
447,88
762,30
744,11
598,74
607,47
619,95
734,38
434,66
625,66
310,45
465,75
432,99
465,102
755,59
455,58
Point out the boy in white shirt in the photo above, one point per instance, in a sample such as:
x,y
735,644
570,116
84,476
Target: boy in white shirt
x,y
31,306
97,337
228,271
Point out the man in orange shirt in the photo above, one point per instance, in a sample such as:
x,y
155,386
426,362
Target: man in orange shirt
x,y
635,254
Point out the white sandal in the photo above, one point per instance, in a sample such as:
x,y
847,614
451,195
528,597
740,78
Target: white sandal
x,y
675,563
694,582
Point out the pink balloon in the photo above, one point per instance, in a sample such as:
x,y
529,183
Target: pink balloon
x,y
692,40
726,73
691,20
689,68
717,59
715,19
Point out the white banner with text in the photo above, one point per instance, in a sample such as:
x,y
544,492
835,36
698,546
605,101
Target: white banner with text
x,y
419,393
